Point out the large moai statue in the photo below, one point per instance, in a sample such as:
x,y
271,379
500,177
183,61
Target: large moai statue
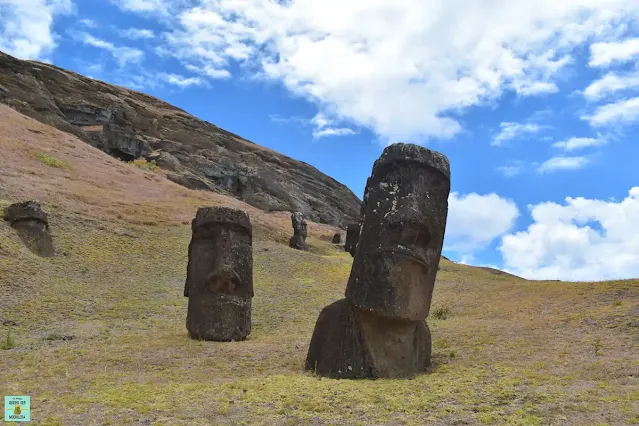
x,y
352,235
32,226
298,240
379,329
219,277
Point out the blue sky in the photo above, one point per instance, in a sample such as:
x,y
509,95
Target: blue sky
x,y
535,102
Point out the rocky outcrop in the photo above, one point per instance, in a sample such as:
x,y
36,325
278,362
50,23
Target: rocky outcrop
x,y
199,155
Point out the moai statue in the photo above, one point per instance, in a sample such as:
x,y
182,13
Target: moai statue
x,y
298,240
219,278
337,238
352,235
32,226
379,329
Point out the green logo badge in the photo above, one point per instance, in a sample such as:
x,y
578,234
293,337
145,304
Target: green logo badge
x,y
17,408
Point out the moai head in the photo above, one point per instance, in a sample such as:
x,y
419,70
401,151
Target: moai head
x,y
32,226
401,233
299,224
220,254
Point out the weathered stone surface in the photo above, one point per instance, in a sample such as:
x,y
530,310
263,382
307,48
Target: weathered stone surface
x,y
32,226
129,125
352,235
168,161
219,281
337,238
379,330
28,210
299,224
402,233
298,240
349,343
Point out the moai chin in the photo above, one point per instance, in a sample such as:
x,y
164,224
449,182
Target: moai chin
x,y
378,330
298,240
219,280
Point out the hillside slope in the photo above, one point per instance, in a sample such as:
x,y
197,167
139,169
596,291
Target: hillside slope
x,y
198,155
101,338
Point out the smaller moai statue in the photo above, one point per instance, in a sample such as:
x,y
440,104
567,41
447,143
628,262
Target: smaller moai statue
x,y
32,226
219,277
298,240
337,238
352,235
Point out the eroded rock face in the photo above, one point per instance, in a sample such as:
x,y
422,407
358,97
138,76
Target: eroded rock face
x,y
379,329
298,240
352,235
131,125
219,281
32,225
337,238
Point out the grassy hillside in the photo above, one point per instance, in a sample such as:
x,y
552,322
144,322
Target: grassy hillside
x,y
101,337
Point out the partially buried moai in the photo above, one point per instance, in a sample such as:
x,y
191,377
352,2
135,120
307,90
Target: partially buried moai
x,y
298,240
32,226
219,278
379,329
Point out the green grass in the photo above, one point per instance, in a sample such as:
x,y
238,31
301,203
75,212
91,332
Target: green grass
x,y
51,161
441,313
505,350
142,163
9,342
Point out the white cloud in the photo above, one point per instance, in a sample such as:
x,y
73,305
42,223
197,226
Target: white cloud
x,y
323,126
582,240
607,53
475,220
88,23
122,54
138,33
510,170
563,163
26,26
626,111
399,67
610,84
145,6
209,71
536,88
513,131
181,81
574,144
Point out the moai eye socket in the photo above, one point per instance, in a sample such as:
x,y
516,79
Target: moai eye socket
x,y
417,235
